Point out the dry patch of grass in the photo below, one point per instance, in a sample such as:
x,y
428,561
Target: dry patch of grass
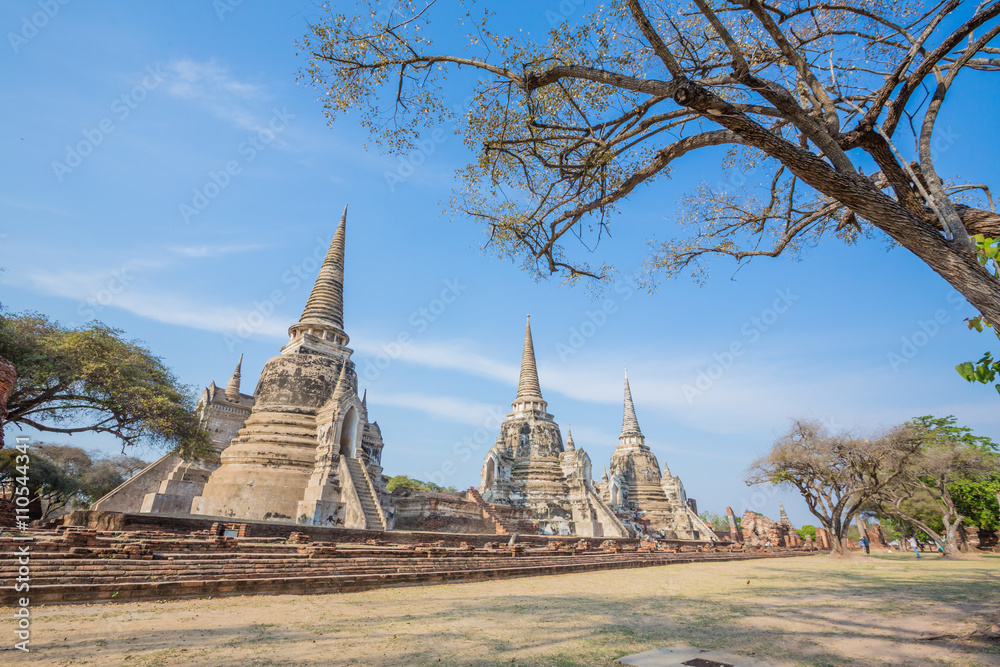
x,y
810,611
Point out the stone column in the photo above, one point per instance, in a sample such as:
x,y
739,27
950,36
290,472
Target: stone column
x,y
822,539
734,534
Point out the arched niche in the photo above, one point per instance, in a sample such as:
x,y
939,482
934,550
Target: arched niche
x,y
349,433
491,472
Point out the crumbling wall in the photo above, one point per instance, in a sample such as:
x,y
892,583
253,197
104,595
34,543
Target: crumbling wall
x,y
439,512
759,531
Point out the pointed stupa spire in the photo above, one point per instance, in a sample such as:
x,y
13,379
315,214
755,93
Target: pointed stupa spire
x,y
528,385
326,301
529,393
630,425
233,388
364,399
323,316
604,477
570,447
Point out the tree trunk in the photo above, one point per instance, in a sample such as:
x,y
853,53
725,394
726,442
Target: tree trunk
x,y
839,547
963,539
950,546
955,264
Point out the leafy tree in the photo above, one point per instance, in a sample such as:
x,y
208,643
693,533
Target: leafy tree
x,y
892,529
948,455
90,379
979,501
62,477
48,488
719,522
807,530
812,102
716,521
415,484
836,473
95,474
986,369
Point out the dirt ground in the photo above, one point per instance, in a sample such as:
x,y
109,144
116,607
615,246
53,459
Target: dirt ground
x,y
808,611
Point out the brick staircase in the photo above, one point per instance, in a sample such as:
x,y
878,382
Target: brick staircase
x,y
83,565
488,513
374,519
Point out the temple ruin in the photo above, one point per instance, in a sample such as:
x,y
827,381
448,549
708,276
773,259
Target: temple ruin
x,y
529,466
635,486
301,449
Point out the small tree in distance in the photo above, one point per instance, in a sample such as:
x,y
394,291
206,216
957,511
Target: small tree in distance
x,y
837,474
406,482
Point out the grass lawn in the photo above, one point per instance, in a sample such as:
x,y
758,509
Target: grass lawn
x,y
808,611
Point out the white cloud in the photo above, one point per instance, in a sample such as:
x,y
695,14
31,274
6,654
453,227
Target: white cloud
x,y
195,80
211,86
34,206
214,251
447,355
100,289
444,408
753,399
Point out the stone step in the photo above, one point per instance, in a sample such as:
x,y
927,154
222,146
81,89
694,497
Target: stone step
x,y
87,592
96,574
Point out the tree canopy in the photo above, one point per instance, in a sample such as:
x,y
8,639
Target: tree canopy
x,y
832,108
838,474
952,462
402,481
90,379
62,477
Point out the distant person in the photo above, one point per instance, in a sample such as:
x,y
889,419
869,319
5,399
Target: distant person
x,y
865,546
915,546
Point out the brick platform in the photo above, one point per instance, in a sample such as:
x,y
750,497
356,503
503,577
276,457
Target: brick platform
x,y
86,565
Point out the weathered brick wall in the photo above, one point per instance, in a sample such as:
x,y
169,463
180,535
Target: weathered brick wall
x,y
439,512
191,524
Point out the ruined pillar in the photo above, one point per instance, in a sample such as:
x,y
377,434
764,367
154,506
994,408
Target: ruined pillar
x,y
879,537
734,534
822,538
862,529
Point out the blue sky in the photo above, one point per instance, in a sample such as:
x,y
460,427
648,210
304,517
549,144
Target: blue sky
x,y
117,117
